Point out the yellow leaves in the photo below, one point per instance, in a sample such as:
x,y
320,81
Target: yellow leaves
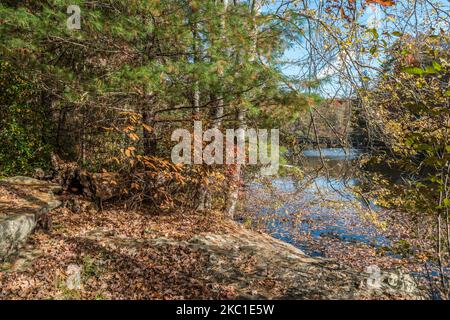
x,y
154,9
171,69
129,152
162,77
217,176
220,66
391,18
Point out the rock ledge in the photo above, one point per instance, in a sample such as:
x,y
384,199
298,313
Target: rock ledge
x,y
30,201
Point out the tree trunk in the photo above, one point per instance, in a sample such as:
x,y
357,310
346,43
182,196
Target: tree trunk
x,y
237,174
218,110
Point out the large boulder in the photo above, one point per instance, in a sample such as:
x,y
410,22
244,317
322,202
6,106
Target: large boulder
x,y
254,265
14,231
24,204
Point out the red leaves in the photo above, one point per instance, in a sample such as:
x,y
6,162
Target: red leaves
x,y
347,9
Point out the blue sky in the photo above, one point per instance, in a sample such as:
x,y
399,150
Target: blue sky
x,y
374,17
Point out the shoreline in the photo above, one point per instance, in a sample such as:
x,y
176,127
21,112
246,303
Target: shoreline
x,y
137,255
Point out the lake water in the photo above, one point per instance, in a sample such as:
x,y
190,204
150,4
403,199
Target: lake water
x,y
318,210
318,206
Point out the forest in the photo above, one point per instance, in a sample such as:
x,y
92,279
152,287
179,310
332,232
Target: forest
x,y
218,149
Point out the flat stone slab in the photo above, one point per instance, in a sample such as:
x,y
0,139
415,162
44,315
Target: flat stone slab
x,y
258,266
22,200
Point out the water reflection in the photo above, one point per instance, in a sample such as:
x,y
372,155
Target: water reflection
x,y
332,153
305,211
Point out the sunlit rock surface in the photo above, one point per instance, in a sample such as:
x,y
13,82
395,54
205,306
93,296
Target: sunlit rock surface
x,y
257,266
30,199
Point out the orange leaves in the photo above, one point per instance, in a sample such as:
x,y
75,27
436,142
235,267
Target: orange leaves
x,y
179,166
384,3
132,123
133,136
342,13
128,129
346,10
133,117
146,127
129,152
146,178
